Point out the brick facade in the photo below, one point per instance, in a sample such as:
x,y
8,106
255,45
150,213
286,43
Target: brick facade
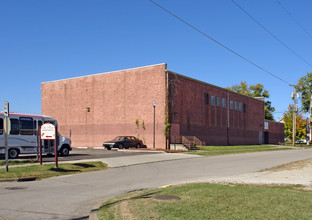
x,y
193,113
273,132
96,108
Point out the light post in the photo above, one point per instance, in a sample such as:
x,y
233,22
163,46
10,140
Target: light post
x,y
154,106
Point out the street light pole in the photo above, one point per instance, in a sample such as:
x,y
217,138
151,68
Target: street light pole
x,y
154,106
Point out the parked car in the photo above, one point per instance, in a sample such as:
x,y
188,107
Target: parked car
x,y
301,141
123,142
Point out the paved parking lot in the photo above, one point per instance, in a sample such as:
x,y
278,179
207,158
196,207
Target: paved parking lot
x,y
83,154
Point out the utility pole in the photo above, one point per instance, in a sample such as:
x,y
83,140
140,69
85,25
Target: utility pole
x,y
310,123
294,115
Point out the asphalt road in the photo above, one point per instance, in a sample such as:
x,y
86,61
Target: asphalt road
x,y
83,154
73,196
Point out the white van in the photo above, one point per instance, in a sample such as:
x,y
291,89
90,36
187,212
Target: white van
x,y
22,138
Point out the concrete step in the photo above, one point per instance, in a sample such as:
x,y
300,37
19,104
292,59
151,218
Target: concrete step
x,y
177,147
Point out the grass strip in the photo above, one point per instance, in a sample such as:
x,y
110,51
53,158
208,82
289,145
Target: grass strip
x,y
18,162
212,201
221,150
49,170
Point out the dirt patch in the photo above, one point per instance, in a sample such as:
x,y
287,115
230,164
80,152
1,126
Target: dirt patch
x,y
297,165
125,212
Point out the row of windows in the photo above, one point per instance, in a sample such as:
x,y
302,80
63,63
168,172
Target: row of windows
x,y
21,125
216,101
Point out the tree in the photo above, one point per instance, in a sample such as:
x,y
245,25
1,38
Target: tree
x,y
305,87
301,124
255,91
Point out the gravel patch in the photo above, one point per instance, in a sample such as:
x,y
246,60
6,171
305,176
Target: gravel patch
x,y
295,173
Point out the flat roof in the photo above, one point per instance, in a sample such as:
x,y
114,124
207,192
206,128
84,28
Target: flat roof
x,y
189,78
218,87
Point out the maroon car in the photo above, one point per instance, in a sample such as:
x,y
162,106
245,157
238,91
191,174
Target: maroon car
x,y
123,142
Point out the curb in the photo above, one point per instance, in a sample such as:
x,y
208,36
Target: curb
x,y
93,212
125,150
21,179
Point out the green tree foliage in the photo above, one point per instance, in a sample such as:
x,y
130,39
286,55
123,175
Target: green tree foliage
x,y
305,87
301,124
255,91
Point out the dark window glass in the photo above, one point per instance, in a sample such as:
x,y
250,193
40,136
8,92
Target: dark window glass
x,y
240,107
14,126
212,100
231,104
218,101
26,126
245,108
206,98
236,106
1,126
223,103
39,124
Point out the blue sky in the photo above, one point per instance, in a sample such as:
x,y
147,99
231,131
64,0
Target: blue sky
x,y
55,39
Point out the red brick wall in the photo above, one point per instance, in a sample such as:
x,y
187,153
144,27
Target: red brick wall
x,y
275,134
115,99
191,116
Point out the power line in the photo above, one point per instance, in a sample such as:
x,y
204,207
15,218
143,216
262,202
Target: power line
x,y
269,32
292,17
217,42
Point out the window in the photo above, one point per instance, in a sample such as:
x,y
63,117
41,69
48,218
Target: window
x,y
245,108
223,103
218,101
1,126
39,124
266,125
231,104
240,107
206,98
212,100
236,106
26,124
14,126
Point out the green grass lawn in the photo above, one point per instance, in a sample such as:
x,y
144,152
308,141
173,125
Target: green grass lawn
x,y
289,143
49,170
18,162
212,201
220,150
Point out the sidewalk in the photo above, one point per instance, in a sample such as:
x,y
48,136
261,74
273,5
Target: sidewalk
x,y
113,162
140,159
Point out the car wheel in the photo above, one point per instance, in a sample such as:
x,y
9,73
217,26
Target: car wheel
x,y
65,151
138,146
13,153
120,146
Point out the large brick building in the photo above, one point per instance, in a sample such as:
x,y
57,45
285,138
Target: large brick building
x,y
95,108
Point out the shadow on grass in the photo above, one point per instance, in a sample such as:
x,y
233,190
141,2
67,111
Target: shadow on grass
x,y
60,170
84,165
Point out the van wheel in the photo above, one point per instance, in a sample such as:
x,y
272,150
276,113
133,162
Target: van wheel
x,y
13,153
65,151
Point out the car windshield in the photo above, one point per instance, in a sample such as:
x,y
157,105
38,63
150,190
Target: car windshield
x,y
119,138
